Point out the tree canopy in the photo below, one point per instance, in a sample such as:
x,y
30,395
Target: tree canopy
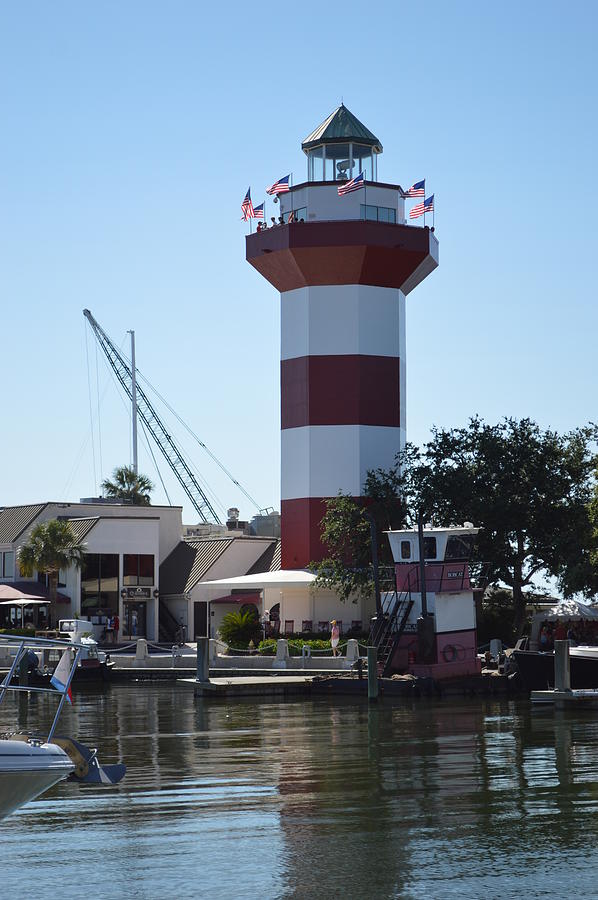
x,y
530,492
129,485
527,489
347,568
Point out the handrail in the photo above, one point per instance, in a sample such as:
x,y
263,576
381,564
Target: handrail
x,y
25,643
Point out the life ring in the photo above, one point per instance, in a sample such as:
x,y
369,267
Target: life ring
x,y
449,653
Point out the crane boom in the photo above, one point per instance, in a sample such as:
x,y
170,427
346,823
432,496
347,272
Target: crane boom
x,y
150,418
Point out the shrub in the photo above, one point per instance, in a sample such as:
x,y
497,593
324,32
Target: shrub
x,y
268,647
238,628
19,632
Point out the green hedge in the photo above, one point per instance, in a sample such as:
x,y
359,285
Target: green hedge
x,y
19,632
268,647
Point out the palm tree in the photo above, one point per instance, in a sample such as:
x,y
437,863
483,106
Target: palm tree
x,y
128,485
52,546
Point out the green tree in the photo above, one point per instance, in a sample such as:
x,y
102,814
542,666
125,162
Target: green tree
x,y
128,485
347,529
528,490
531,492
52,546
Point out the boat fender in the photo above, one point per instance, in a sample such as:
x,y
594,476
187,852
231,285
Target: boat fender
x,y
449,653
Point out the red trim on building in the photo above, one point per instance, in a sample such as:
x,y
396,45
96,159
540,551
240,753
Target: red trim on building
x,y
340,390
353,251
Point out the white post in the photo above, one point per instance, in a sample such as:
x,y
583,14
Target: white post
x,y
134,400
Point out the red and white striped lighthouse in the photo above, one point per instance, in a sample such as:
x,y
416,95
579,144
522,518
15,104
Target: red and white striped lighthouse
x,y
343,266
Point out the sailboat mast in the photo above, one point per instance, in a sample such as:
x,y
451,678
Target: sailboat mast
x,y
134,400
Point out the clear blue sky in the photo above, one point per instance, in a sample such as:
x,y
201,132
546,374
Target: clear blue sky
x,y
130,133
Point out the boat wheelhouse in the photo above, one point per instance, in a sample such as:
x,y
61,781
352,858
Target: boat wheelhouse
x,y
428,625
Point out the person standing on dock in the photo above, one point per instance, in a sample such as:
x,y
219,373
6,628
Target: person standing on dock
x,y
334,637
116,626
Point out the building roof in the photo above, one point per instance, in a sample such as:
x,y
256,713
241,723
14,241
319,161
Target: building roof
x,y
340,127
15,519
278,578
82,527
269,561
188,563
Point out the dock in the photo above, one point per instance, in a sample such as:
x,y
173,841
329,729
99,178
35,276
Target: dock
x,y
565,699
563,696
254,685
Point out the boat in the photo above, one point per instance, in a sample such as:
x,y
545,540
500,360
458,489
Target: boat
x,y
31,764
536,667
27,769
93,664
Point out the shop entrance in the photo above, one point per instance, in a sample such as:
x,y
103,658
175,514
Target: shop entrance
x,y
135,615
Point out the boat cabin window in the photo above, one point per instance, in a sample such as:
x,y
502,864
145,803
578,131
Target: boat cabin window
x,y
405,549
429,548
459,546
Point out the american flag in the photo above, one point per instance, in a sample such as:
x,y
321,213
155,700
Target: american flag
x,y
420,209
258,212
247,207
417,190
281,186
353,185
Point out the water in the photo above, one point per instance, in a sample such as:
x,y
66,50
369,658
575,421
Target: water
x,y
311,800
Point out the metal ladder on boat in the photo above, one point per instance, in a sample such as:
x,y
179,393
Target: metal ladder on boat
x,y
388,627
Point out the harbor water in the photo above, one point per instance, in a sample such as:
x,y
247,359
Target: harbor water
x,y
310,798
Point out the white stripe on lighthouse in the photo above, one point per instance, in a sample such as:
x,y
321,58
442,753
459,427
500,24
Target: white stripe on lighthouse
x,y
333,320
320,461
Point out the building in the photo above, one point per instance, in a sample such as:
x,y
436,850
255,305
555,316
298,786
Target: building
x,y
343,266
124,545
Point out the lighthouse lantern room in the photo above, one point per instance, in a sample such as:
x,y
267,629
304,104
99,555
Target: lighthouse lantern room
x,y
343,264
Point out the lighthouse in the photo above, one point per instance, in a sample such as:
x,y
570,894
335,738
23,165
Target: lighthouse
x,y
343,264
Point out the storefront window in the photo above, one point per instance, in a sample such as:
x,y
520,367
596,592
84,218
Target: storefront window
x,y
99,584
7,564
138,569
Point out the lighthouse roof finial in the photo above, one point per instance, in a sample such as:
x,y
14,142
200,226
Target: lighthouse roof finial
x,y
340,127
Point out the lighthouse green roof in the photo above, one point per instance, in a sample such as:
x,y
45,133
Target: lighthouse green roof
x,y
341,127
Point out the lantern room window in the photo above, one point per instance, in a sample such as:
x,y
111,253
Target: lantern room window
x,y
341,162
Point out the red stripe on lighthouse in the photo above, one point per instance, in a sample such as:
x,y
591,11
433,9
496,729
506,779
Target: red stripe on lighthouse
x,y
340,390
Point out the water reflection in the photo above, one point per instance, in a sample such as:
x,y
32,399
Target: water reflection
x,y
311,799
